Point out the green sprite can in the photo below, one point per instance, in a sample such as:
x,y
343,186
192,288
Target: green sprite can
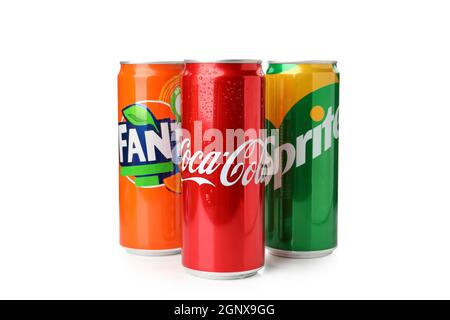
x,y
302,119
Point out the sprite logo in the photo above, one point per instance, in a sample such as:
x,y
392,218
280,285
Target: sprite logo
x,y
307,135
320,139
147,142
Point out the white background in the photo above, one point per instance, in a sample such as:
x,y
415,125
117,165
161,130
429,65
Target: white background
x,y
58,160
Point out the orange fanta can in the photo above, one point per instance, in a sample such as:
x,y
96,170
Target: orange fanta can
x,y
149,171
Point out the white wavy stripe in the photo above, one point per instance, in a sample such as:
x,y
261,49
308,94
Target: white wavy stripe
x,y
154,101
200,181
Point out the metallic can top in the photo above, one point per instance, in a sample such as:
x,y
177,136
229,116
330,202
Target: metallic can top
x,y
226,61
151,62
304,62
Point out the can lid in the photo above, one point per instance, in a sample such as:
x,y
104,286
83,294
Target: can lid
x,y
226,61
304,62
151,62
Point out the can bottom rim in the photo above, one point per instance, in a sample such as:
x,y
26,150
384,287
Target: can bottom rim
x,y
222,275
300,254
153,253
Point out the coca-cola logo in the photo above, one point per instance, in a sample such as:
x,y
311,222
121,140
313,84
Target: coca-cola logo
x,y
248,163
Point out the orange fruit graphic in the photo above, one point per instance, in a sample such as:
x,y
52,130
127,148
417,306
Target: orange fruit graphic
x,y
173,183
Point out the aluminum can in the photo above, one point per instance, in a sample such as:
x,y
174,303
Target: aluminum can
x,y
302,100
223,196
149,180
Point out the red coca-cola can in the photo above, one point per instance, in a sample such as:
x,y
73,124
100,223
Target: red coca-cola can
x,y
222,159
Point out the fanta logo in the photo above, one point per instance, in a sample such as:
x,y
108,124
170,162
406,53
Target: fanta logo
x,y
147,144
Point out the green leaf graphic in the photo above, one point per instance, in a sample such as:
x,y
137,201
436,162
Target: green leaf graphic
x,y
139,115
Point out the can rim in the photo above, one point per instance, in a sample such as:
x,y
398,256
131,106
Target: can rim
x,y
150,62
231,61
303,62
